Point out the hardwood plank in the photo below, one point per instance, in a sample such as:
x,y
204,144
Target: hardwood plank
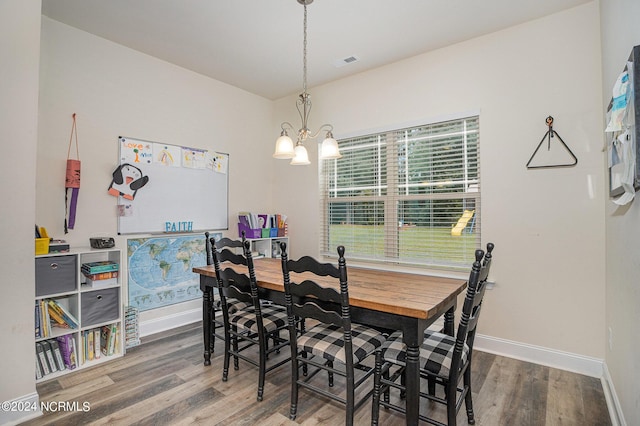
x,y
165,405
595,406
492,400
567,405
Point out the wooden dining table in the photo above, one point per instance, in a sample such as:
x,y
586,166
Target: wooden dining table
x,y
378,298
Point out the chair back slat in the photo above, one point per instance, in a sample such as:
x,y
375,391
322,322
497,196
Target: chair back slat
x,y
308,263
226,255
227,242
312,309
236,285
309,287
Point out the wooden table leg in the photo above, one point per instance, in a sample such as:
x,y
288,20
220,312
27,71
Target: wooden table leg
x,y
412,384
207,297
449,321
413,335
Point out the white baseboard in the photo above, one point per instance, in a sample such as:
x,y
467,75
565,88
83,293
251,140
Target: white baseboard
x,y
615,410
168,322
26,407
588,366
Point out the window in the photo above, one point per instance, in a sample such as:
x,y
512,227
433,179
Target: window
x,y
409,196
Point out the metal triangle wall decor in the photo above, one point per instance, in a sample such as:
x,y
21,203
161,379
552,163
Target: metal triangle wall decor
x,y
548,136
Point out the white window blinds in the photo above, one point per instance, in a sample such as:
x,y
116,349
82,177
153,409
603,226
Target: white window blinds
x,y
409,196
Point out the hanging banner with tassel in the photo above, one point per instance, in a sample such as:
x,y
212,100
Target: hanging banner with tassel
x,y
72,181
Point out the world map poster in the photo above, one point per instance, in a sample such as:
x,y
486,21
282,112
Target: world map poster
x,y
160,269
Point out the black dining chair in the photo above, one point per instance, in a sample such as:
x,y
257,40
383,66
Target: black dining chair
x,y
334,344
216,304
250,327
444,360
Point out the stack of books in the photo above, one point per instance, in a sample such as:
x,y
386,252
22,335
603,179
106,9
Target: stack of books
x,y
101,273
55,355
132,334
99,341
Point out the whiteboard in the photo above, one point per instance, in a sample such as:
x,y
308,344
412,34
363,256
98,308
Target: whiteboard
x,y
187,188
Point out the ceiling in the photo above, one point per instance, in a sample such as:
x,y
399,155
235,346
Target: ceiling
x,y
257,45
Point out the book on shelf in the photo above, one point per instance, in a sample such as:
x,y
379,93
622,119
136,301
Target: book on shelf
x,y
105,331
45,320
102,275
116,338
63,313
39,372
58,321
42,358
37,320
66,344
89,345
73,353
98,267
108,339
96,343
102,282
57,355
49,356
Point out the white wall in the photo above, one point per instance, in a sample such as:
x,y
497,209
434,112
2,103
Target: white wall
x,y
117,91
547,224
20,52
620,32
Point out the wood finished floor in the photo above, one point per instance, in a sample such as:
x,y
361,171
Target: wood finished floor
x,y
164,382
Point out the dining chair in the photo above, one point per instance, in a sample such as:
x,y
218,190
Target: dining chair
x,y
252,326
334,344
444,360
216,304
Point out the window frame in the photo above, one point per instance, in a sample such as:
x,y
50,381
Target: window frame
x,y
391,201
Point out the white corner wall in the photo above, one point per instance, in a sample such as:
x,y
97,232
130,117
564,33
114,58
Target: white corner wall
x,y
547,224
19,53
620,32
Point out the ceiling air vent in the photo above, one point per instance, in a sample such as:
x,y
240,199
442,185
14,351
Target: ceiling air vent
x,y
346,61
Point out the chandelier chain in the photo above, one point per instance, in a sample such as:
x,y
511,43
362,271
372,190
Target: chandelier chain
x,y
304,53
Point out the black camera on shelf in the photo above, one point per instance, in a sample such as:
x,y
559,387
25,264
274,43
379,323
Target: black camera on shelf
x,y
102,242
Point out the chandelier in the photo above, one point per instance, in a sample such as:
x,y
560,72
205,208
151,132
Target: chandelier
x,y
284,145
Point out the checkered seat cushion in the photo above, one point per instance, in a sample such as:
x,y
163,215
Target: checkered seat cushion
x,y
273,318
327,341
436,352
233,304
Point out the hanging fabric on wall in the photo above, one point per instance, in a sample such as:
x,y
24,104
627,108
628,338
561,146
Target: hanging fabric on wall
x,y
72,181
622,148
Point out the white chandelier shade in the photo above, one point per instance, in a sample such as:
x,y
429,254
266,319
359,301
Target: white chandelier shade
x,y
301,156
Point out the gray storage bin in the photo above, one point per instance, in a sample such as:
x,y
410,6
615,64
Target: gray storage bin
x,y
99,306
55,274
